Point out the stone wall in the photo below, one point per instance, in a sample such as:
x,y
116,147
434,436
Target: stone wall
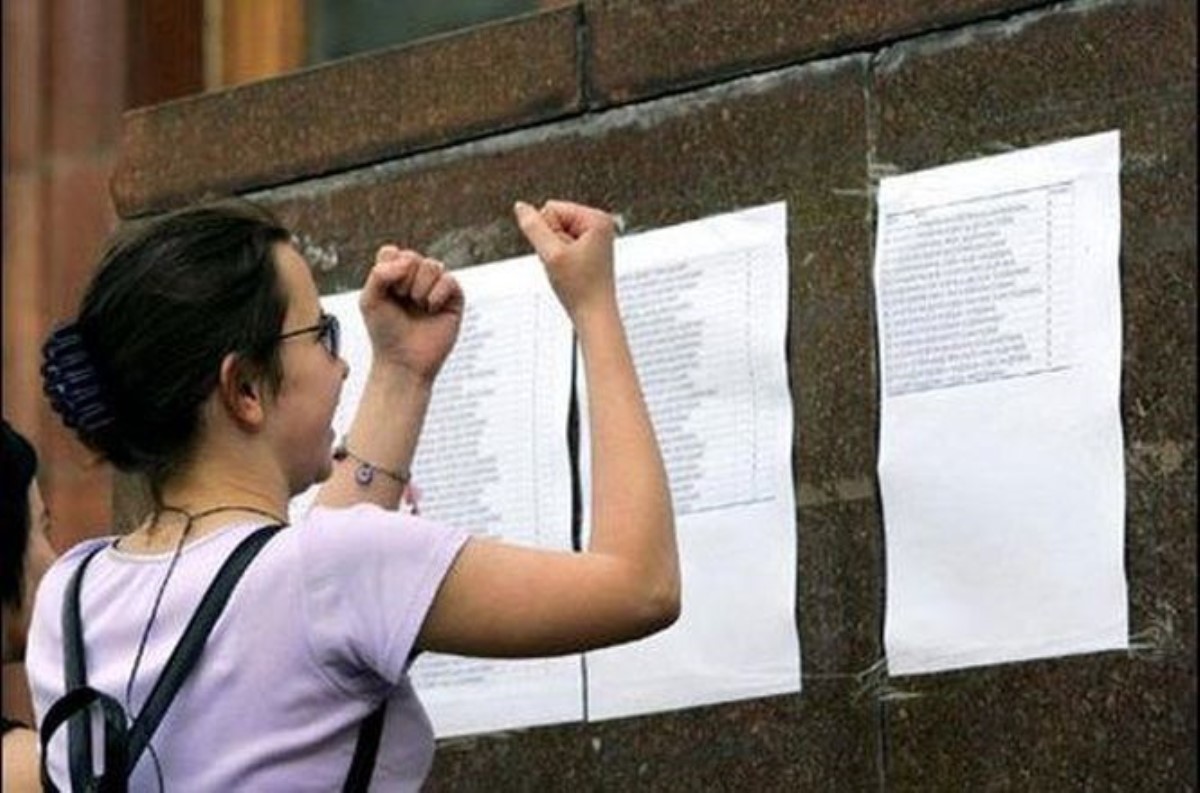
x,y
673,110
64,88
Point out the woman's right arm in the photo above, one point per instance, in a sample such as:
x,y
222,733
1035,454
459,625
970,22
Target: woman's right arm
x,y
509,601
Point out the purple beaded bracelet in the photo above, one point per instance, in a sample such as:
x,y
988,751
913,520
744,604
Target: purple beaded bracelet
x,y
364,474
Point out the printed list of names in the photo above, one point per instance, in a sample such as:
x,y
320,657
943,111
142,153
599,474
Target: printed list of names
x,y
976,291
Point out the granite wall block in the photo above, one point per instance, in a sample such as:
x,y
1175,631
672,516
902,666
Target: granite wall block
x,y
639,50
658,163
359,110
1115,720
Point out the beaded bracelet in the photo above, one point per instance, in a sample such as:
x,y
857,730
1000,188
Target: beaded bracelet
x,y
364,474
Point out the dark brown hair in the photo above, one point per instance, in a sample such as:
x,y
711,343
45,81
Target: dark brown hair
x,y
173,295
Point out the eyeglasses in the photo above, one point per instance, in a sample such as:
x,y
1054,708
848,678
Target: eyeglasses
x,y
328,330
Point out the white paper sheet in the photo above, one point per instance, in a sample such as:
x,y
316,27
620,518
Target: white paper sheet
x,y
1000,462
705,306
492,459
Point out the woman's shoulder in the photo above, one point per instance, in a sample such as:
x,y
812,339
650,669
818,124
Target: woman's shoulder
x,y
81,549
65,565
366,519
368,529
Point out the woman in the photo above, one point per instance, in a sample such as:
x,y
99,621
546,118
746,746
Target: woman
x,y
25,557
201,358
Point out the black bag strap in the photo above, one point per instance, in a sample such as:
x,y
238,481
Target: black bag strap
x,y
75,675
363,764
187,651
124,747
183,658
78,702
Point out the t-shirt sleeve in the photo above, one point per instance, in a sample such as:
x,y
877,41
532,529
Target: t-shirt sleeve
x,y
370,577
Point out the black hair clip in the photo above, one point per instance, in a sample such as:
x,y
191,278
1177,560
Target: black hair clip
x,y
71,382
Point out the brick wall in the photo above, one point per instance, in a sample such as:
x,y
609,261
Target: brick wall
x,y
671,110
63,95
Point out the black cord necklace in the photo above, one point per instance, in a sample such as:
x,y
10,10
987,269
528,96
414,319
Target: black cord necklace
x,y
192,517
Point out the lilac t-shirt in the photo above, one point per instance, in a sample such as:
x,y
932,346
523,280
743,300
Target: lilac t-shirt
x,y
318,631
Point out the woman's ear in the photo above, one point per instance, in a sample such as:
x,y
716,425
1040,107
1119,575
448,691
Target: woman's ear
x,y
241,393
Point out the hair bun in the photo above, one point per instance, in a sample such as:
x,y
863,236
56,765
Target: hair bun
x,y
71,382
